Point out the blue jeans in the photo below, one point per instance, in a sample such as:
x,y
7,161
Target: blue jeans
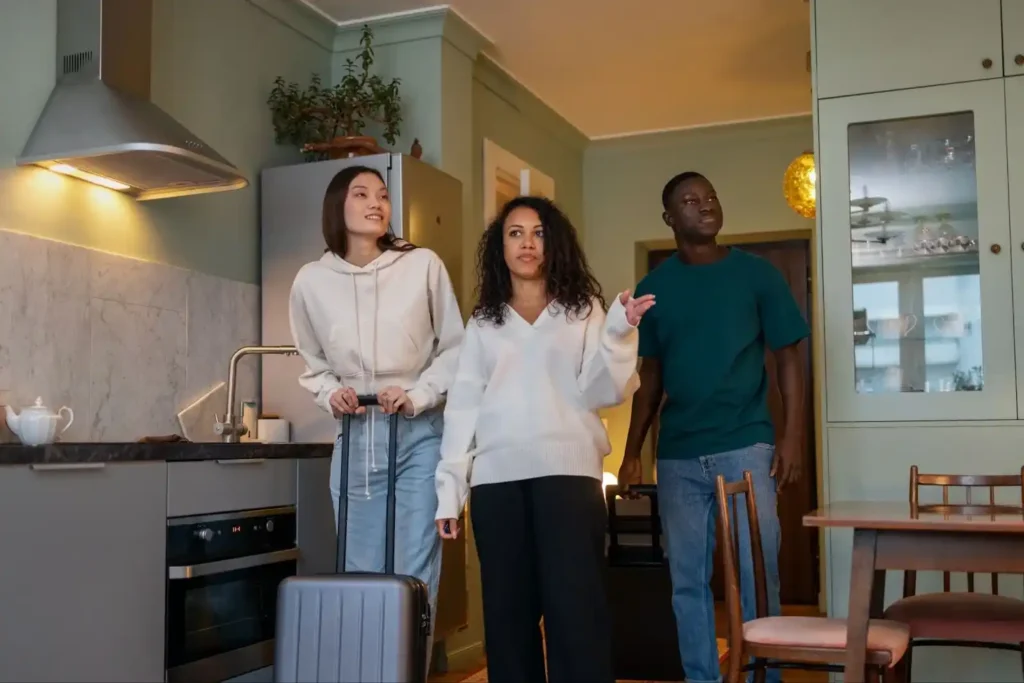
x,y
417,545
686,499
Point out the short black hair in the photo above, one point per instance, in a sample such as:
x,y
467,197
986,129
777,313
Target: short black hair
x,y
670,186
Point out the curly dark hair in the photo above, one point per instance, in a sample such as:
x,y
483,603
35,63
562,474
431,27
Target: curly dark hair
x,y
570,282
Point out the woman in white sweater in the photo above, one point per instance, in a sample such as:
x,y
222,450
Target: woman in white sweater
x,y
376,315
522,433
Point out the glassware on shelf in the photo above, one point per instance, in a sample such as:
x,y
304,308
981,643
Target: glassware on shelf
x,y
914,255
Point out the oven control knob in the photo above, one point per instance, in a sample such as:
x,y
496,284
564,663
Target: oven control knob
x,y
205,534
270,526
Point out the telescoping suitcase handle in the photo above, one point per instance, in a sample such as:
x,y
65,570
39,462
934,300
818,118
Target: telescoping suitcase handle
x,y
389,540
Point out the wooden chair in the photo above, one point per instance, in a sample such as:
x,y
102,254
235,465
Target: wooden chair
x,y
810,643
993,621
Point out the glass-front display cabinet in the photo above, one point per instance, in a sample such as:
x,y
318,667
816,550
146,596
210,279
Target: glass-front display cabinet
x,y
916,247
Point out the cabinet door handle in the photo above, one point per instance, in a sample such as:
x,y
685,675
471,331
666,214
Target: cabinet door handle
x,y
995,248
1019,60
67,466
242,461
986,63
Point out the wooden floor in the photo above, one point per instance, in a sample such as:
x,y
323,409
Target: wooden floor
x,y
720,621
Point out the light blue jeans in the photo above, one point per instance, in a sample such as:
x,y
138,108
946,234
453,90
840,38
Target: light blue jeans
x,y
686,500
417,545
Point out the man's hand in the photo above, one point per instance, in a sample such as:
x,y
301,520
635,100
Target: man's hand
x,y
631,471
787,466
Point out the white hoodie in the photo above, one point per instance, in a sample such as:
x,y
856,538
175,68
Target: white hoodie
x,y
394,321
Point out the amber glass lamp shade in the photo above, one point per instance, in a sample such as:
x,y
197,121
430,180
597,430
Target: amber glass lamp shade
x,y
798,185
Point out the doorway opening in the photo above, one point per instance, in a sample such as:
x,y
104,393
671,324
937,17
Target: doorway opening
x,y
799,556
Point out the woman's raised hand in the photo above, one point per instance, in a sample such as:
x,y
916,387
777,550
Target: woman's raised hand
x,y
635,308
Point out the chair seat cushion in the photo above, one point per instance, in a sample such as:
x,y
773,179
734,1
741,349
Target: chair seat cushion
x,y
830,634
981,617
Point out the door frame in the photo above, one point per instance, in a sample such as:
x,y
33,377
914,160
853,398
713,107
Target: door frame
x,y
642,250
499,160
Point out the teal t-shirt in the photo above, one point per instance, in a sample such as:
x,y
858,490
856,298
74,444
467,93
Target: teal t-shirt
x,y
709,328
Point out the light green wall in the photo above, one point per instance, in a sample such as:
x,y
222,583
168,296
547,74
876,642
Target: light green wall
x,y
623,179
417,62
510,116
213,66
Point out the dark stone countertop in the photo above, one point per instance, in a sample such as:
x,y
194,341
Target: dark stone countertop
x,y
182,451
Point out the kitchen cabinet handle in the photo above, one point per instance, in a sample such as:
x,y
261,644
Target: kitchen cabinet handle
x,y
1019,60
242,461
67,466
986,63
191,571
995,248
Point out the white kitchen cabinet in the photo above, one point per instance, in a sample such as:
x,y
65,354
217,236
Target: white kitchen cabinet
x,y
1013,37
915,239
866,46
83,572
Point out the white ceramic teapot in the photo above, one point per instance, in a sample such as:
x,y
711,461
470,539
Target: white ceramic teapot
x,y
37,425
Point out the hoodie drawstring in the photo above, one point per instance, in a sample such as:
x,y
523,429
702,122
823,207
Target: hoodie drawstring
x,y
369,426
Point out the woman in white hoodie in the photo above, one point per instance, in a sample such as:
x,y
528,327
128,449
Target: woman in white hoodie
x,y
376,315
522,432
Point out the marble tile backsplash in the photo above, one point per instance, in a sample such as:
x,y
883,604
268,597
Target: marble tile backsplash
x,y
126,344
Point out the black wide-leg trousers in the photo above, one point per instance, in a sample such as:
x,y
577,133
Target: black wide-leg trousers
x,y
541,547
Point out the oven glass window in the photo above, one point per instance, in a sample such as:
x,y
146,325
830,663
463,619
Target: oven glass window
x,y
210,615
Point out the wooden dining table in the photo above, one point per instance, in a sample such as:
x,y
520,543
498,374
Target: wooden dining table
x,y
888,535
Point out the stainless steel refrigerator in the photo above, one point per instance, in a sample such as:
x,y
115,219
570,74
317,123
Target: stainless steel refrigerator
x,y
426,210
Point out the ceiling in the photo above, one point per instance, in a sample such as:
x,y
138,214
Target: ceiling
x,y
643,65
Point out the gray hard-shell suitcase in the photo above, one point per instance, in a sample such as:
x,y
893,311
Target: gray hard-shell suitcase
x,y
358,627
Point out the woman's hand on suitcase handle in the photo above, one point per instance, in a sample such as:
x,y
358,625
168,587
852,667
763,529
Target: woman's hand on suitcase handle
x,y
393,399
346,401
448,529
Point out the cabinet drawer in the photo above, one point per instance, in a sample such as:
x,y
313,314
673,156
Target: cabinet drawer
x,y
877,45
197,488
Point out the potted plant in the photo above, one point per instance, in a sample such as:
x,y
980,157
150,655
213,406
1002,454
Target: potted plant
x,y
328,122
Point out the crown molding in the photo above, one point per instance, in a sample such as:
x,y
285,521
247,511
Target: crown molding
x,y
301,17
439,21
496,78
713,126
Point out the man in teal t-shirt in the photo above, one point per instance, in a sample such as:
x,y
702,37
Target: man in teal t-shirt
x,y
702,347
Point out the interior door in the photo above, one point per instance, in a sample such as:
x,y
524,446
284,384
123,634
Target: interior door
x,y
798,557
506,176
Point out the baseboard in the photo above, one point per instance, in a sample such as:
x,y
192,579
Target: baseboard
x,y
466,657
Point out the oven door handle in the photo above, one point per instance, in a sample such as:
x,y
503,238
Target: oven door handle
x,y
191,571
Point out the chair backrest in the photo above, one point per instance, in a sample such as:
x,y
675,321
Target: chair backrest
x,y
729,534
969,483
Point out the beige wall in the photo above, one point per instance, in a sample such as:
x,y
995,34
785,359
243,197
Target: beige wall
x,y
622,183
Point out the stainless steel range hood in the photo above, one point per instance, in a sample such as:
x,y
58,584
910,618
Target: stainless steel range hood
x,y
99,123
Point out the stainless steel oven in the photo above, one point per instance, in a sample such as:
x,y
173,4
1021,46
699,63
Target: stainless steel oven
x,y
222,576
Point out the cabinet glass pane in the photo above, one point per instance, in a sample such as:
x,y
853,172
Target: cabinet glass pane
x,y
914,243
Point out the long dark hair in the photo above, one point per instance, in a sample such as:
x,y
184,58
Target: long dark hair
x,y
335,230
567,275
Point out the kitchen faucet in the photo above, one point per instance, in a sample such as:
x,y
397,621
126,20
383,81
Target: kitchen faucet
x,y
230,428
